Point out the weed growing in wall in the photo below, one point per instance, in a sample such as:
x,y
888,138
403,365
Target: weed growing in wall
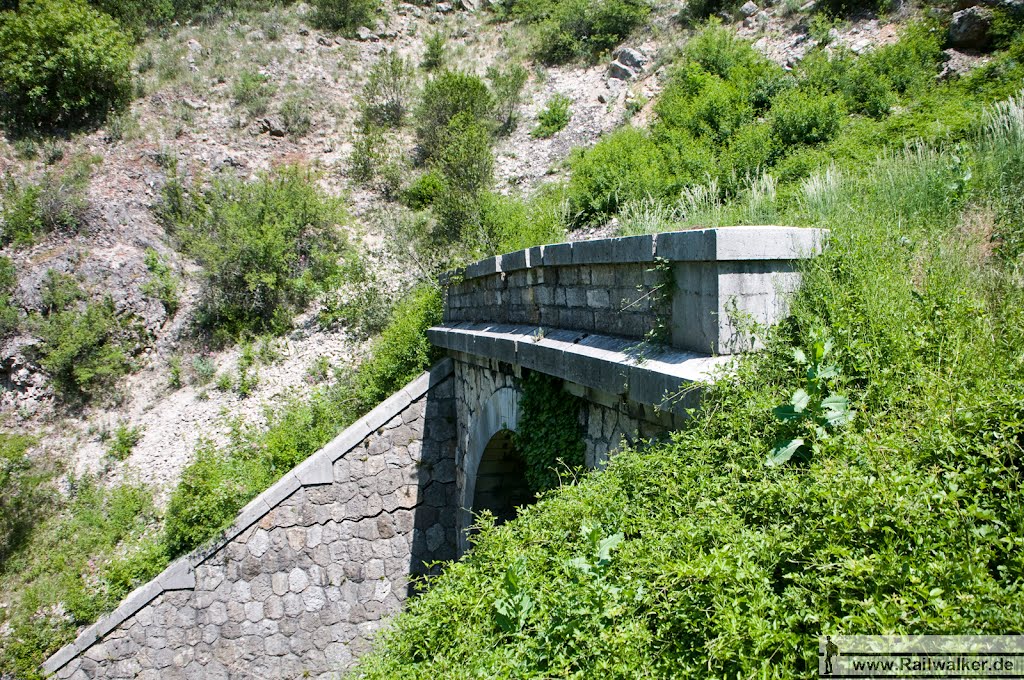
x,y
549,436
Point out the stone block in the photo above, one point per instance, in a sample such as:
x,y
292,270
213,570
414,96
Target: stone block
x,y
597,298
515,261
558,255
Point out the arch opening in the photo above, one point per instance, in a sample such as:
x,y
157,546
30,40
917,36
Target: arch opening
x,y
501,485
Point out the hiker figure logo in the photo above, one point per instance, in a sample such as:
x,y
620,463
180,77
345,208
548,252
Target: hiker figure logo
x,y
831,651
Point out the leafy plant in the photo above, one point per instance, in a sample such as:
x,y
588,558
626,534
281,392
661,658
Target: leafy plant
x,y
507,85
295,116
345,16
252,90
549,436
30,210
62,63
124,442
813,412
385,97
513,609
162,285
447,95
553,118
435,47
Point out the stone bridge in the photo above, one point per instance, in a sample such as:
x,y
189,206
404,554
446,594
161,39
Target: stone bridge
x,y
316,564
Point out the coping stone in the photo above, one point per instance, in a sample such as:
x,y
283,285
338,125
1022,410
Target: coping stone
x,y
491,265
317,469
511,262
729,244
558,254
624,250
178,576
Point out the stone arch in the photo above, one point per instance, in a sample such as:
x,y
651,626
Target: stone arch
x,y
499,412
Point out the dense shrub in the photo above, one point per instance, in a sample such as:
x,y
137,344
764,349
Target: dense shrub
x,y
86,554
445,96
56,202
575,29
62,63
345,16
465,160
625,165
85,346
385,99
266,247
424,191
434,47
799,117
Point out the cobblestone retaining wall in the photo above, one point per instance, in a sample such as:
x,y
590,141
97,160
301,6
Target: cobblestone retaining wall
x,y
312,568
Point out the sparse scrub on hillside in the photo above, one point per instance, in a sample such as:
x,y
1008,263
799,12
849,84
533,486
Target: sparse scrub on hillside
x,y
267,247
435,45
62,64
252,90
85,345
88,551
626,569
223,479
507,85
163,284
10,318
22,492
55,202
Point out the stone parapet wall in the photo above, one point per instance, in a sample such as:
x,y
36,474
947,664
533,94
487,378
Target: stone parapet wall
x,y
311,568
701,290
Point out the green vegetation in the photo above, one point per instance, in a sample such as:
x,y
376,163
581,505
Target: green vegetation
x,y
62,64
162,285
124,441
266,247
22,495
435,46
85,346
447,95
295,116
252,90
728,115
565,30
88,551
10,319
549,436
385,100
56,202
345,16
223,479
553,118
694,558
507,85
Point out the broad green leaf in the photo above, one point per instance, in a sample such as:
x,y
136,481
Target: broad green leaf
x,y
784,451
800,400
836,410
607,545
799,356
786,412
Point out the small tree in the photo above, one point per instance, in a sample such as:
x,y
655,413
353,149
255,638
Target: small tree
x,y
385,98
444,97
62,63
507,85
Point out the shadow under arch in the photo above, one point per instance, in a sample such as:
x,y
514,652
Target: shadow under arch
x,y
499,413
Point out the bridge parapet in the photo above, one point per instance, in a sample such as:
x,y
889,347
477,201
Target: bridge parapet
x,y
702,289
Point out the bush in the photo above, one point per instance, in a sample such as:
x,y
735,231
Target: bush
x,y
465,160
800,117
30,210
385,97
424,191
85,347
22,495
162,284
435,47
624,165
125,439
252,90
267,247
553,118
62,64
295,116
720,52
344,16
444,97
507,86
9,317
574,29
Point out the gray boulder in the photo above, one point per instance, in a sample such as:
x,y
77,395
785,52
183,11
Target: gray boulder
x,y
634,60
619,71
749,8
970,27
